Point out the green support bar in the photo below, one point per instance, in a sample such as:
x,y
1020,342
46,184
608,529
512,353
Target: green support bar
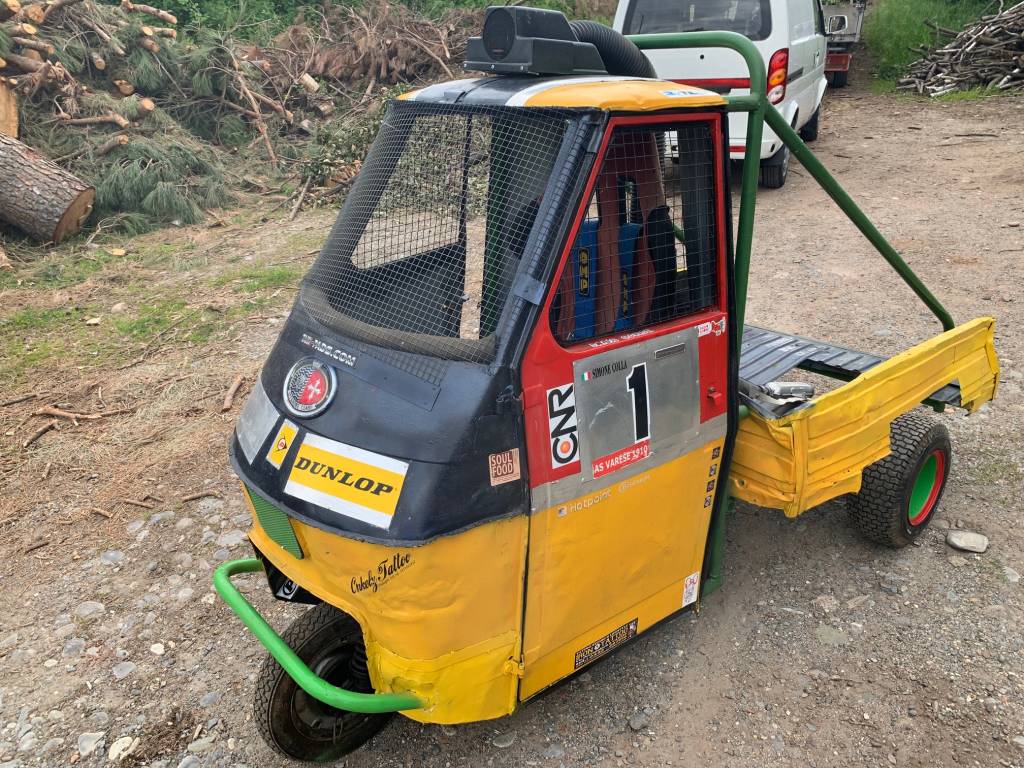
x,y
760,112
306,679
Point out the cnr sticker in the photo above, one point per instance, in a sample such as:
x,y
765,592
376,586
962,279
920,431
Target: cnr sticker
x,y
348,480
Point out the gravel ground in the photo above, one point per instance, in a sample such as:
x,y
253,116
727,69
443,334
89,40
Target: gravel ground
x,y
820,650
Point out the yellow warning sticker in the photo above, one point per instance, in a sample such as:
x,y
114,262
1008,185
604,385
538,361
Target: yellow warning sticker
x,y
347,480
282,442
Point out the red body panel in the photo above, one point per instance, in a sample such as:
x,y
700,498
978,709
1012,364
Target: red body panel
x,y
547,364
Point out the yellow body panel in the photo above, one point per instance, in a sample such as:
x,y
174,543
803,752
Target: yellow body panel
x,y
614,95
626,96
441,620
613,556
818,453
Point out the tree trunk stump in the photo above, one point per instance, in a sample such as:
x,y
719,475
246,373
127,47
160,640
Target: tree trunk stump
x,y
38,196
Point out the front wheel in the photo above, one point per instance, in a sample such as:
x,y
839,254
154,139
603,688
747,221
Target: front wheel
x,y
899,494
291,721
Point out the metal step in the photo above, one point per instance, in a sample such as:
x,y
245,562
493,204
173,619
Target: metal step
x,y
768,355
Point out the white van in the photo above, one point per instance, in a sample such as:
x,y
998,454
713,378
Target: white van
x,y
790,34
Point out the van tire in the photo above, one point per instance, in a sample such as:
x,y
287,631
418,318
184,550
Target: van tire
x,y
290,721
775,169
809,132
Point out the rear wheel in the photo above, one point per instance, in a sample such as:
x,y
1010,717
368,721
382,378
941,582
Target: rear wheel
x,y
294,723
810,131
900,493
775,169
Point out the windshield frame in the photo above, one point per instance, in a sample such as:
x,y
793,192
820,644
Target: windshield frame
x,y
539,249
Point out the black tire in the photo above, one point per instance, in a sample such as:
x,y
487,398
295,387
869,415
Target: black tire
x,y
893,507
840,78
291,721
775,170
809,132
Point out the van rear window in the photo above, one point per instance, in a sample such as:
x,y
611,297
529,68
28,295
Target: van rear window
x,y
752,18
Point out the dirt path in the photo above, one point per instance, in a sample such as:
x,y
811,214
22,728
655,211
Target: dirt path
x,y
818,651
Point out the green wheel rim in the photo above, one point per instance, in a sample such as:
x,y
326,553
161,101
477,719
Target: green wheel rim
x,y
926,488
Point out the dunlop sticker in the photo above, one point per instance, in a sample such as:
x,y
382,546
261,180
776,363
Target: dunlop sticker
x,y
347,480
504,467
609,642
282,442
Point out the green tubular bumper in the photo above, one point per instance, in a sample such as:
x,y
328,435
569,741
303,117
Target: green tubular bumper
x,y
304,677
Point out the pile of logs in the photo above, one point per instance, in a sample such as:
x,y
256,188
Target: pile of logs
x,y
988,53
104,90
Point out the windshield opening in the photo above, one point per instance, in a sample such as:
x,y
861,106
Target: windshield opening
x,y
424,251
751,18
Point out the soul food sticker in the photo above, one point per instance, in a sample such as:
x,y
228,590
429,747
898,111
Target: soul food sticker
x,y
504,467
690,589
609,642
282,442
347,480
562,426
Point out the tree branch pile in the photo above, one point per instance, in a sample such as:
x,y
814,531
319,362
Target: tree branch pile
x,y
988,53
165,126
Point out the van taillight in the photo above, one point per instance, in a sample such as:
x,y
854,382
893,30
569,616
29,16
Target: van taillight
x,y
778,71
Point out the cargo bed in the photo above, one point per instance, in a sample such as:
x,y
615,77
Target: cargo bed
x,y
793,456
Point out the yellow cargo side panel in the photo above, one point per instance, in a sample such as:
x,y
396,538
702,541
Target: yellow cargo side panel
x,y
608,565
441,620
818,453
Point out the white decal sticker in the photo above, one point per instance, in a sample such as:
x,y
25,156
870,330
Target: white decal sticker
x,y
703,329
690,588
563,429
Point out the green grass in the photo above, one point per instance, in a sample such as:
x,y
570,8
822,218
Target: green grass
x,y
260,278
896,27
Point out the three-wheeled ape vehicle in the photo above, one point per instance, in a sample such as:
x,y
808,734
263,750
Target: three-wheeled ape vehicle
x,y
501,430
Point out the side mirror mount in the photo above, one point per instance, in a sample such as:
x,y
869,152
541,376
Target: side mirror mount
x,y
837,23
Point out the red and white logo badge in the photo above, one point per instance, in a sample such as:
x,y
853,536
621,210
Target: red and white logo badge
x,y
309,387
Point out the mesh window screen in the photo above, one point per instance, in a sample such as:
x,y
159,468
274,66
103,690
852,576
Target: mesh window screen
x,y
423,254
646,250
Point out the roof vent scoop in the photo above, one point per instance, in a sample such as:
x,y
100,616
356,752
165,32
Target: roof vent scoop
x,y
530,41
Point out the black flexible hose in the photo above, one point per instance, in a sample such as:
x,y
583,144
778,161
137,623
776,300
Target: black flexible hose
x,y
620,56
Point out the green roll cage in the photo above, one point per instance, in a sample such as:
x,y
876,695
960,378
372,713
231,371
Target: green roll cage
x,y
761,112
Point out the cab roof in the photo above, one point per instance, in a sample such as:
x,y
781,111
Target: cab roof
x,y
603,92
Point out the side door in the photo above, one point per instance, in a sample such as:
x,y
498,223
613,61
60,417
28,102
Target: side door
x,y
625,384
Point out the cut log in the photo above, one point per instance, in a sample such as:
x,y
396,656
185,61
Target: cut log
x,y
110,144
22,30
110,117
98,62
28,43
308,83
38,196
29,53
166,32
124,87
8,111
35,13
8,8
149,44
164,16
144,109
56,5
25,63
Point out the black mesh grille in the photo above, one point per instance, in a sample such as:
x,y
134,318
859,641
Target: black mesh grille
x,y
422,257
646,250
